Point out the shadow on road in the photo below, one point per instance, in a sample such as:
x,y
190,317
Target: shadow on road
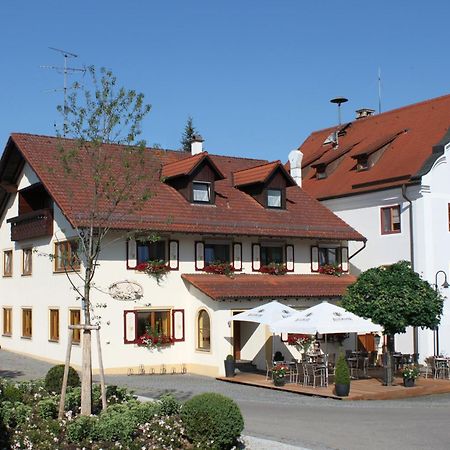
x,y
11,373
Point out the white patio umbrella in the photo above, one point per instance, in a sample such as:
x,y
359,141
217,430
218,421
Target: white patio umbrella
x,y
266,314
324,318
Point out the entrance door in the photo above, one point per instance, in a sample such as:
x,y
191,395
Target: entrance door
x,y
236,339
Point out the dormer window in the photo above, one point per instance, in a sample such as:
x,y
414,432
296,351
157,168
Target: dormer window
x,y
321,173
362,163
201,192
274,198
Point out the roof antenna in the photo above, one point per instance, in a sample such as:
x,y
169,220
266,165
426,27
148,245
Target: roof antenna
x,y
379,90
65,71
339,101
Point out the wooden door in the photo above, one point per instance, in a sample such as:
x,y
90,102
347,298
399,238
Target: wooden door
x,y
366,342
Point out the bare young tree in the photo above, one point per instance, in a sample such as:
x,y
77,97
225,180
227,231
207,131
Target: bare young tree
x,y
107,162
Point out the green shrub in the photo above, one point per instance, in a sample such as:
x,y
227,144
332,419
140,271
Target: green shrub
x,y
117,394
11,392
14,413
144,412
47,408
73,400
82,428
212,421
342,373
117,423
37,433
168,405
54,378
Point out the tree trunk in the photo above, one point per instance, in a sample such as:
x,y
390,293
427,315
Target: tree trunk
x,y
86,375
390,343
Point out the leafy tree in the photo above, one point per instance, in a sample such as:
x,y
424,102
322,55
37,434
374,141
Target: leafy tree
x,y
395,297
188,135
100,116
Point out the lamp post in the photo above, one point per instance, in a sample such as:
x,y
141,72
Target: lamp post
x,y
445,285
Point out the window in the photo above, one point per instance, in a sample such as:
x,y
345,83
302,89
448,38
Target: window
x,y
27,320
390,220
54,324
7,263
329,256
75,319
362,163
204,331
156,321
274,198
151,251
7,321
270,254
217,253
66,256
27,261
201,192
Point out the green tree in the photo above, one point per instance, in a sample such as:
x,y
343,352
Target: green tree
x,y
100,116
188,135
395,297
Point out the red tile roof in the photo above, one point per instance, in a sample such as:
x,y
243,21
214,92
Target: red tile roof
x,y
406,153
221,287
235,212
260,174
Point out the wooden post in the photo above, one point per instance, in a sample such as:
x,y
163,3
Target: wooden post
x,y
86,374
66,375
102,373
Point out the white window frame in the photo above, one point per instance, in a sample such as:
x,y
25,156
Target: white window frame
x,y
208,191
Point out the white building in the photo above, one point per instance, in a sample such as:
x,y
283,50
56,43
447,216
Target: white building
x,y
387,175
205,209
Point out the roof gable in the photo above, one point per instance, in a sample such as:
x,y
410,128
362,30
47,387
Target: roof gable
x,y
261,174
187,166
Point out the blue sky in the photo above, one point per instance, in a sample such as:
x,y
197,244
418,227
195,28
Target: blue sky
x,y
256,76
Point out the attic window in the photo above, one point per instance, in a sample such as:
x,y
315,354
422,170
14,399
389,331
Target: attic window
x,y
201,192
274,198
362,163
321,172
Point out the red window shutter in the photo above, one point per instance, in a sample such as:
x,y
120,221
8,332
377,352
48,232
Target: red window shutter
x,y
289,257
314,259
131,254
174,255
129,327
237,256
199,255
344,259
178,325
256,257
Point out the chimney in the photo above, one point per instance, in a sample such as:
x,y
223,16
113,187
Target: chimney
x,y
295,161
196,144
364,112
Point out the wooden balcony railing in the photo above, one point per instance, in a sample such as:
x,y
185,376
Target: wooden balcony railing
x,y
31,225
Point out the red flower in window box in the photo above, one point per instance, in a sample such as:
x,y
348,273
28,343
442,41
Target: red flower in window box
x,y
274,269
220,268
331,269
155,268
152,339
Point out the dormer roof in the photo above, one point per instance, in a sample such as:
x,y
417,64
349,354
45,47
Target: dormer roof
x,y
261,174
187,167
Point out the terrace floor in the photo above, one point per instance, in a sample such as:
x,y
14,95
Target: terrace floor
x,y
362,389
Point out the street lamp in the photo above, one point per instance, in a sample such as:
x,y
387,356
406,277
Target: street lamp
x,y
445,285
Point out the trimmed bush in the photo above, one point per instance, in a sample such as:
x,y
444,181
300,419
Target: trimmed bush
x,y
168,405
212,421
342,373
47,408
82,428
54,378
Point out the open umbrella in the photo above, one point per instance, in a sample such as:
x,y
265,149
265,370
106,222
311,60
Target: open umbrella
x,y
324,318
267,314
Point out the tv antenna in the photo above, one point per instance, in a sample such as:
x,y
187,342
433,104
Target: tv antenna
x,y
379,90
339,101
65,70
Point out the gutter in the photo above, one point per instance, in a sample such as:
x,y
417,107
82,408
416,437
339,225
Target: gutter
x,y
358,251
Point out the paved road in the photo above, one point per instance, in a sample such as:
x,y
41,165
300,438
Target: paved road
x,y
315,423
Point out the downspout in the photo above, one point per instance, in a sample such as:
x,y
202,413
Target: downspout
x,y
411,249
360,250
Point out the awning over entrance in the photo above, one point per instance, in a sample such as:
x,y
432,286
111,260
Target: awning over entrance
x,y
221,287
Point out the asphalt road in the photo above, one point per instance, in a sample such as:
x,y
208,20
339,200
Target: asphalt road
x,y
421,423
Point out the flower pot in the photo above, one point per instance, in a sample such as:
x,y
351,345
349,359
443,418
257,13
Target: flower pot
x,y
342,390
229,368
279,381
409,382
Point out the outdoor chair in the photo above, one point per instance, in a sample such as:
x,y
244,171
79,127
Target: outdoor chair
x,y
365,365
312,373
294,373
353,364
331,363
441,369
428,368
269,367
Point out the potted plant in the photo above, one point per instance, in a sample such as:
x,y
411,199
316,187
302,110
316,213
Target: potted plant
x,y
342,377
410,374
229,366
278,374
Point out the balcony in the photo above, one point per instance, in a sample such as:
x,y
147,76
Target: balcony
x,y
32,225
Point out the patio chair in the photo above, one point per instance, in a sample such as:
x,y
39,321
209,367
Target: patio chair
x,y
331,363
311,373
294,373
269,367
441,369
